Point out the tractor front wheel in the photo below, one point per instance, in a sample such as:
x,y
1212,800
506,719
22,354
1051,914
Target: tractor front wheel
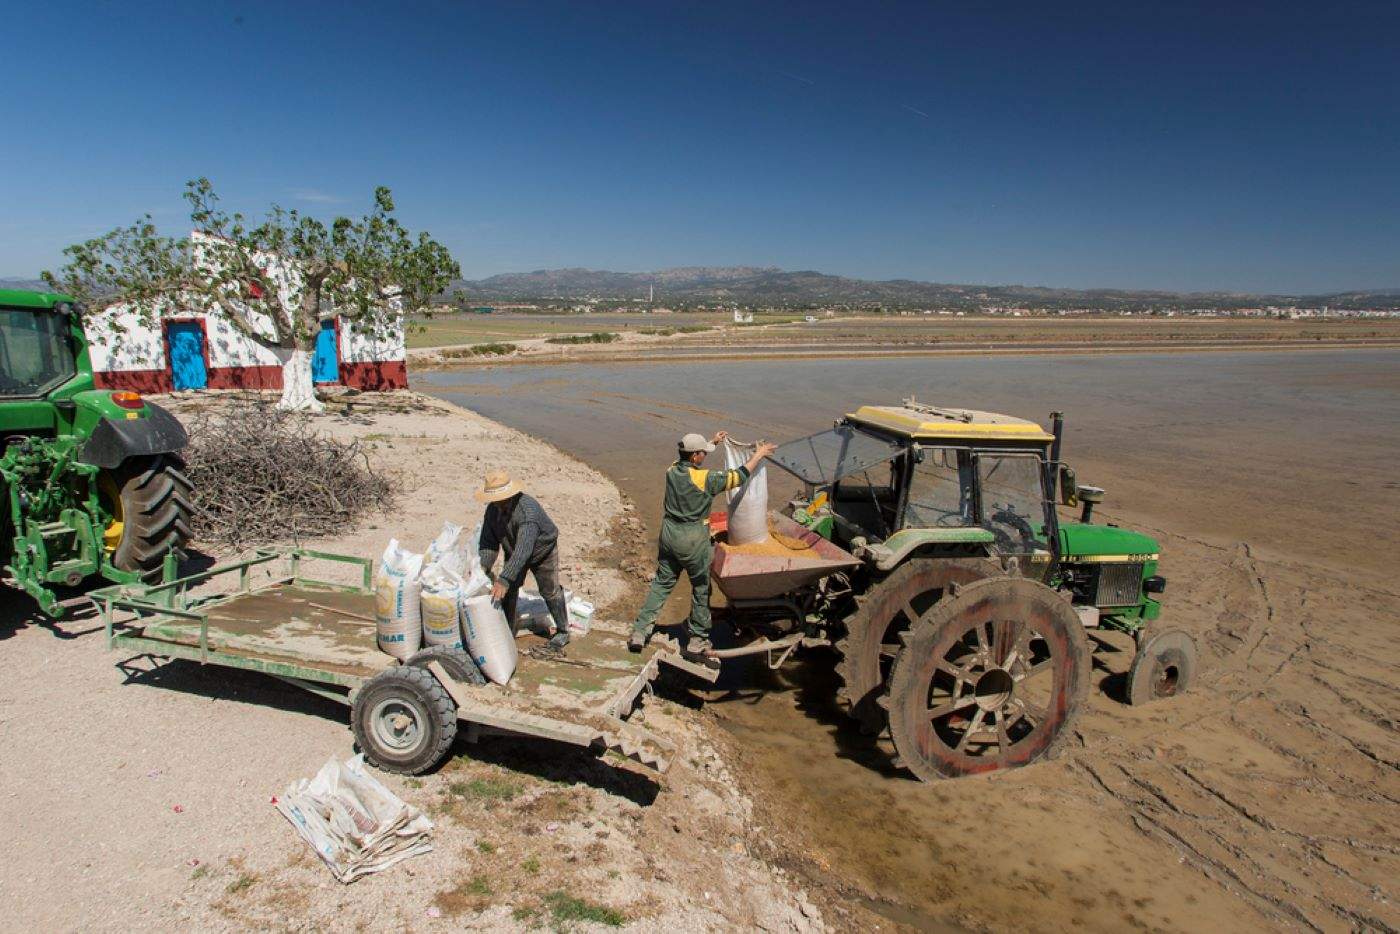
x,y
990,678
149,500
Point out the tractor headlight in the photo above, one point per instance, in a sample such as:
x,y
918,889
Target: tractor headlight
x,y
1154,584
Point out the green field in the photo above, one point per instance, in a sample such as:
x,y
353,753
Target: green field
x,y
459,328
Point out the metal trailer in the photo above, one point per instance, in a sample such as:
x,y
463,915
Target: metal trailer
x,y
268,614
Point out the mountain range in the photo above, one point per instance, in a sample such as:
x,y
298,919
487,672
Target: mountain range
x,y
769,285
774,287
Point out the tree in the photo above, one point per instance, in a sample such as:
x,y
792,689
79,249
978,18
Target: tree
x,y
273,282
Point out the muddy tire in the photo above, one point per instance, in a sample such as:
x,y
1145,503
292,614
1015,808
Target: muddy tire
x,y
403,720
1164,666
456,662
889,608
150,497
990,678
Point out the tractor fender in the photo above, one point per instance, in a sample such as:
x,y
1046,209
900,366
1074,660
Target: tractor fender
x,y
113,440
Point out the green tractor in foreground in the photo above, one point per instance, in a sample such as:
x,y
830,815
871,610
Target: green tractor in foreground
x,y
93,477
927,549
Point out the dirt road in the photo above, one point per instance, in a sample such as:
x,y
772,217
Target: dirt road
x,y
134,793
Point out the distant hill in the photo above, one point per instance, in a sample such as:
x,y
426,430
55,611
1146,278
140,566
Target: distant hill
x,y
768,285
26,285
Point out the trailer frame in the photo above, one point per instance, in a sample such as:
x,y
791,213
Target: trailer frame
x,y
171,619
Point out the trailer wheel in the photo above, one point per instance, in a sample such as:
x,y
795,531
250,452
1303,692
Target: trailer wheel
x,y
456,662
1164,666
889,608
990,678
403,720
149,500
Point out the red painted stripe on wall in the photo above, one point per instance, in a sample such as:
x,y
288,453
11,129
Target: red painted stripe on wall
x,y
375,376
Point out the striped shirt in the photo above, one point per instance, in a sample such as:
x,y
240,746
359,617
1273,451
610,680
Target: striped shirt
x,y
520,526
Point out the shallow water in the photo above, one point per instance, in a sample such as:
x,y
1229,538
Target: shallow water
x,y
1293,452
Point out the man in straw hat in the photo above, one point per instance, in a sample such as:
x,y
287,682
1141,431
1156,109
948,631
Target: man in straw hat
x,y
518,523
685,540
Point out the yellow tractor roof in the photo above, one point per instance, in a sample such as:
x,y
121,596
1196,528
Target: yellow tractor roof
x,y
920,420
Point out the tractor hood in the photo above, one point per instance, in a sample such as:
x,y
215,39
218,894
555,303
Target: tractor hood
x,y
1079,542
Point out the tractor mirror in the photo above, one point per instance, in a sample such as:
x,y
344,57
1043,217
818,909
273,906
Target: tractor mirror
x,y
1069,488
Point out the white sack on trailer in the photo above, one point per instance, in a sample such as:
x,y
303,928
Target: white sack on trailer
x,y
748,505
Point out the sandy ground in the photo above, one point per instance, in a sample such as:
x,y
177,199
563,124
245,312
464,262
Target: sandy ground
x,y
135,793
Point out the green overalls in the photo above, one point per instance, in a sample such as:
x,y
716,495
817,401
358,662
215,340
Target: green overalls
x,y
685,542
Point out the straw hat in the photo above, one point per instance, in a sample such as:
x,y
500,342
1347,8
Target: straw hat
x,y
498,486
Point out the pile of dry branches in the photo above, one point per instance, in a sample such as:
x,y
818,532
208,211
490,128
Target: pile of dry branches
x,y
261,475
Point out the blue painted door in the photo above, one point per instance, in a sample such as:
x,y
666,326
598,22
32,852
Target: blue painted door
x,y
187,355
325,364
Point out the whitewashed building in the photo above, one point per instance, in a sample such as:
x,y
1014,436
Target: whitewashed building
x,y
198,349
193,350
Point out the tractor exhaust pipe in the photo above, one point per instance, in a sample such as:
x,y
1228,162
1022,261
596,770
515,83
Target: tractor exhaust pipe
x,y
1057,428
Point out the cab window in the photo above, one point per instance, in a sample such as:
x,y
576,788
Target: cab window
x,y
1013,501
940,490
35,354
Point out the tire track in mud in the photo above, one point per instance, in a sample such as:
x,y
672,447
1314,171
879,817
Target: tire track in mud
x,y
1281,798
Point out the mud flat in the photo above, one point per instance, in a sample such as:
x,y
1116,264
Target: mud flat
x,y
1266,798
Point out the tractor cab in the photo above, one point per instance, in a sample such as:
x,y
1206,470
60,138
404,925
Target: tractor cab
x,y
891,480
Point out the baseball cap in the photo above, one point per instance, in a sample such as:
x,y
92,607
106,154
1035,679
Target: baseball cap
x,y
694,442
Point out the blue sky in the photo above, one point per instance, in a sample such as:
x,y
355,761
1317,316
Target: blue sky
x,y
1177,146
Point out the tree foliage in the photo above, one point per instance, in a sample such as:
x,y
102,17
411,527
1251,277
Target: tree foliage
x,y
274,281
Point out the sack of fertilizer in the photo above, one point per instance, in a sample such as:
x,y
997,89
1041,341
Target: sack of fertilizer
x,y
396,610
490,640
532,613
440,597
452,550
748,505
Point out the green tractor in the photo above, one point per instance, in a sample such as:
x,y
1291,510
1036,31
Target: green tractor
x,y
927,548
93,477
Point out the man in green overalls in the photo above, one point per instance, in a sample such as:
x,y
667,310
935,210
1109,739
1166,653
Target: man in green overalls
x,y
685,543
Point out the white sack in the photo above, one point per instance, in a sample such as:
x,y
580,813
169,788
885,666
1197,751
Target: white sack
x,y
748,505
440,600
355,824
533,613
489,638
452,550
396,609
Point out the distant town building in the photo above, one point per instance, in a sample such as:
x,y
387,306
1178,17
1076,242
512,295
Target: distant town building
x,y
743,317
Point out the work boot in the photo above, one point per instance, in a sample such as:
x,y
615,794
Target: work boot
x,y
697,651
637,640
560,640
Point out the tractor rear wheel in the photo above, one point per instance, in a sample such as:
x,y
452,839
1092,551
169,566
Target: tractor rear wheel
x,y
889,608
990,678
149,499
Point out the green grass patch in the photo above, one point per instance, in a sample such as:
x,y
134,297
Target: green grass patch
x,y
244,882
488,789
597,337
200,872
472,895
486,846
531,865
564,908
482,350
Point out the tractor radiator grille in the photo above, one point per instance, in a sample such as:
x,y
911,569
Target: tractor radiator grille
x,y
1119,584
